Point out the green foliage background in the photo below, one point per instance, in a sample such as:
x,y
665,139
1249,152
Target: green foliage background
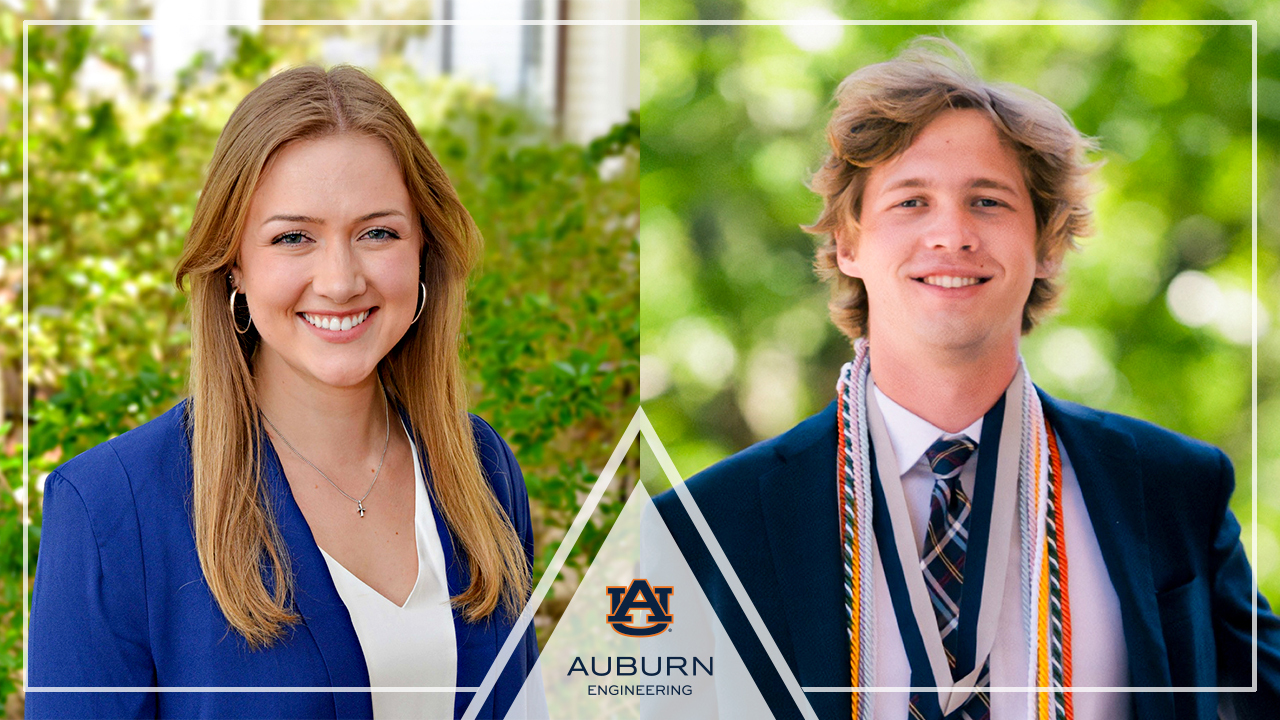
x,y
735,341
736,344
552,341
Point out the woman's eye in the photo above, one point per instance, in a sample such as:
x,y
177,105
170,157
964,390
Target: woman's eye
x,y
988,203
912,203
381,234
290,238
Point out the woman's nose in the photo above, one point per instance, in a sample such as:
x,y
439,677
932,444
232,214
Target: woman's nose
x,y
338,275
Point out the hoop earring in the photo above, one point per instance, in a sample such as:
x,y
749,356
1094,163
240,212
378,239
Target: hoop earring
x,y
232,305
424,304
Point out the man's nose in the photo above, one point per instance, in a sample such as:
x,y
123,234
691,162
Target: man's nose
x,y
338,275
953,227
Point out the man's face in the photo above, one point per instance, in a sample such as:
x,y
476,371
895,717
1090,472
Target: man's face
x,y
947,247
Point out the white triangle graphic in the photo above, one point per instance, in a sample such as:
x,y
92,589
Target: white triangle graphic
x,y
696,633
688,669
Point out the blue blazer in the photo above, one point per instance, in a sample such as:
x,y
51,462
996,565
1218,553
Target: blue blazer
x,y
1158,503
120,600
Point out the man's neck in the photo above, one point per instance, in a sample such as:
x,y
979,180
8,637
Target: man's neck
x,y
951,391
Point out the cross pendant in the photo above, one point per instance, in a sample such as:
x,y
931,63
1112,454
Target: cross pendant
x,y
360,507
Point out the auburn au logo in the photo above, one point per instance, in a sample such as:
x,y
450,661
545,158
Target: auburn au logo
x,y
639,595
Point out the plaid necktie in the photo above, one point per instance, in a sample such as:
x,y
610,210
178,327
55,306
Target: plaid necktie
x,y
945,544
947,537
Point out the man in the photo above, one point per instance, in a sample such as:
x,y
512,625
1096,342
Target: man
x,y
943,523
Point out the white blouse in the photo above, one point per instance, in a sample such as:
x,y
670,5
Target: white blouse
x,y
413,645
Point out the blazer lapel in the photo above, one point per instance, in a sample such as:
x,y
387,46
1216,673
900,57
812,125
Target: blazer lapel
x,y
317,600
798,500
1106,464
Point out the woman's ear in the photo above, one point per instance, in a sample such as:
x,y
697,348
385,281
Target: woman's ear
x,y
234,277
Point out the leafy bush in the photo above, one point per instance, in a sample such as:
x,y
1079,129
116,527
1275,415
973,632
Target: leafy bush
x,y
553,336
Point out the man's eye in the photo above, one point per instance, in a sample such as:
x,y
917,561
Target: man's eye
x,y
988,203
290,238
913,202
381,234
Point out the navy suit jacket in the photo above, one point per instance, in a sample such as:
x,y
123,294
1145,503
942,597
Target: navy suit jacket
x,y
1158,504
120,600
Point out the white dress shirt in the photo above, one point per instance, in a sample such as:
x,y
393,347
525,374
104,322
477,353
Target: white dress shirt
x,y
411,645
1098,647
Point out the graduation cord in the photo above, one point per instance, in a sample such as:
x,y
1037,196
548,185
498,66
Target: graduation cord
x,y
1046,605
853,474
1059,705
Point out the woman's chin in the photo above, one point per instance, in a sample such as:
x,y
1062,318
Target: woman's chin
x,y
344,377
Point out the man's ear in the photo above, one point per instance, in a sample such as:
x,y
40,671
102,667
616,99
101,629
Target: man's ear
x,y
1048,267
846,251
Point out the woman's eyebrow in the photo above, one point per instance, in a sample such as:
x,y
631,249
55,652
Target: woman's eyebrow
x,y
378,214
295,218
320,221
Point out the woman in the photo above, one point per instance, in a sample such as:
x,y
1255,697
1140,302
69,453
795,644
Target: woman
x,y
322,512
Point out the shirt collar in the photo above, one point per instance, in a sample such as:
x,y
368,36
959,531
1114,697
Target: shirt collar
x,y
911,434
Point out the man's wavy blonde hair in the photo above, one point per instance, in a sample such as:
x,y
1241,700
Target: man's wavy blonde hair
x,y
880,110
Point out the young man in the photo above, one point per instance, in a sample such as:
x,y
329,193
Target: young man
x,y
944,523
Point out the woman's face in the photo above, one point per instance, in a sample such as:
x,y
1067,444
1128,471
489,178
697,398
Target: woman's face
x,y
328,259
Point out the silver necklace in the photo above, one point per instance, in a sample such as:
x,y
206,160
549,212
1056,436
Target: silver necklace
x,y
386,413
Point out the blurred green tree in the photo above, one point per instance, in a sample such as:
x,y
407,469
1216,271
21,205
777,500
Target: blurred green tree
x,y
1156,321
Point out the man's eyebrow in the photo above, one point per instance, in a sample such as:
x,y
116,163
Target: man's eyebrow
x,y
977,183
320,221
992,184
906,183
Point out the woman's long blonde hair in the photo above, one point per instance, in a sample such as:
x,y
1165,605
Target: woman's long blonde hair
x,y
242,554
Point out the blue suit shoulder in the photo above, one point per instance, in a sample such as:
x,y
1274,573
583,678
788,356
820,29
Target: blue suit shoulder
x,y
111,477
1179,461
160,436
734,480
1146,433
766,455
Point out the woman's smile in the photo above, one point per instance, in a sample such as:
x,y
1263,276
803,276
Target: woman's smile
x,y
338,328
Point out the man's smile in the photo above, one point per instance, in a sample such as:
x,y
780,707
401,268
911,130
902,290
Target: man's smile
x,y
951,281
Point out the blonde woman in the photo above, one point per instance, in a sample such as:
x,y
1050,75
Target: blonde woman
x,y
322,512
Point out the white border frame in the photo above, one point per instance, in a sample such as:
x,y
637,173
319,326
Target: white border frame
x,y
639,421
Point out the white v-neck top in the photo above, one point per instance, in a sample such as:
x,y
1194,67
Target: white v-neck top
x,y
413,645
